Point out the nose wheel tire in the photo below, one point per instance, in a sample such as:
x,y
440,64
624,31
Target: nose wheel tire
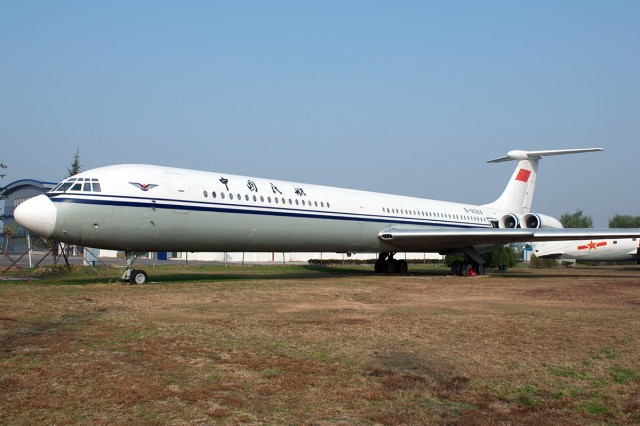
x,y
138,276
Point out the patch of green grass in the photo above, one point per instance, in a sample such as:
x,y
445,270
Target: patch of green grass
x,y
622,375
323,356
147,415
563,371
273,371
595,407
606,353
599,382
279,345
167,274
523,395
139,334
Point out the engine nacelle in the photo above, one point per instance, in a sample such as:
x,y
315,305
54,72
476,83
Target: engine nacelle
x,y
536,220
509,221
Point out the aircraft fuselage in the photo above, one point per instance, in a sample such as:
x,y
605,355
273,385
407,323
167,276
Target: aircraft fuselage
x,y
154,208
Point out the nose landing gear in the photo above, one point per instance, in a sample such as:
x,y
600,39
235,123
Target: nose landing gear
x,y
133,276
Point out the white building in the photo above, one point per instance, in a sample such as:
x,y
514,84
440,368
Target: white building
x,y
275,257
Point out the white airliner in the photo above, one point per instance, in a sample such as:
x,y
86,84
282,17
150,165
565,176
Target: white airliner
x,y
611,250
142,208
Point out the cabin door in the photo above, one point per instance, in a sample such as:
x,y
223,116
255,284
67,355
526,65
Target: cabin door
x,y
179,191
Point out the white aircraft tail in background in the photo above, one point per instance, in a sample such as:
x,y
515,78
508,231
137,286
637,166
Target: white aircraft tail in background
x,y
145,208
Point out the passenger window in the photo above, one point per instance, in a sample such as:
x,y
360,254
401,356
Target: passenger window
x,y
275,199
255,198
205,194
213,194
246,198
261,199
296,202
230,196
222,195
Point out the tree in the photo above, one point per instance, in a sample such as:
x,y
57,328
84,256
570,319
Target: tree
x,y
624,221
2,196
8,232
507,255
576,220
2,175
75,165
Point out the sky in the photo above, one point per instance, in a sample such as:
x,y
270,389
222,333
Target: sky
x,y
405,97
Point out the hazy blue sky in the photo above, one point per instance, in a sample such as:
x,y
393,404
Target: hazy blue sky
x,y
408,97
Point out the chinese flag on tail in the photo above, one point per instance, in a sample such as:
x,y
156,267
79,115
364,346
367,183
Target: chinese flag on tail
x,y
523,175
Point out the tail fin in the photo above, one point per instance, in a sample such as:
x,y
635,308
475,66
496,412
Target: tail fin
x,y
518,195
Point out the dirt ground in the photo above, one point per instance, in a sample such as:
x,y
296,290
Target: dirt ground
x,y
321,346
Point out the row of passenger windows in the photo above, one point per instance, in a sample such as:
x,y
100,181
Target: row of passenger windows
x,y
78,184
262,198
431,214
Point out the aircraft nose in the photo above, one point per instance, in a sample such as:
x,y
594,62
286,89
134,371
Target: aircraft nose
x,y
38,215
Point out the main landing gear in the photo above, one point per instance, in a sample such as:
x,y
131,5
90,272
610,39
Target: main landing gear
x,y
133,276
472,265
388,265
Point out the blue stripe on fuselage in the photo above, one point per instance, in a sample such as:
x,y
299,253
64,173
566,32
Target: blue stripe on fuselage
x,y
169,204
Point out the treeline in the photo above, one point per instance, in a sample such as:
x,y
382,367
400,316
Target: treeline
x,y
579,220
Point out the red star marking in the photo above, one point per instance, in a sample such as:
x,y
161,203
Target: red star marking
x,y
592,245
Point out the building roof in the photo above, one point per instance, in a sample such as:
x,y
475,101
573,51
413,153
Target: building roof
x,y
17,185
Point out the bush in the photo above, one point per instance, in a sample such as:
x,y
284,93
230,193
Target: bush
x,y
537,262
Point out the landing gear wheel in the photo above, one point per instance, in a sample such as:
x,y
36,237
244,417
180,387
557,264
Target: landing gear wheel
x,y
138,276
391,267
403,267
466,269
456,268
482,269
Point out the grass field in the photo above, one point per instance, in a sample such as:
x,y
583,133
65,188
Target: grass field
x,y
321,345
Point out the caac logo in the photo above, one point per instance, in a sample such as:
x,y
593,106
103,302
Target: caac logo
x,y
144,186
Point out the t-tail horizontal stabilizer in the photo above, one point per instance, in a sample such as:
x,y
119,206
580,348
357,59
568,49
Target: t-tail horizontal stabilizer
x,y
519,155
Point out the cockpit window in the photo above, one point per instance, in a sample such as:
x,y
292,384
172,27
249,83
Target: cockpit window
x,y
78,184
64,186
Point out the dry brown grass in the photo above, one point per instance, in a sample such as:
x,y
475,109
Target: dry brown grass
x,y
529,347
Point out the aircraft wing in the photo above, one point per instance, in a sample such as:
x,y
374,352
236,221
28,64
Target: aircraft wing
x,y
442,240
